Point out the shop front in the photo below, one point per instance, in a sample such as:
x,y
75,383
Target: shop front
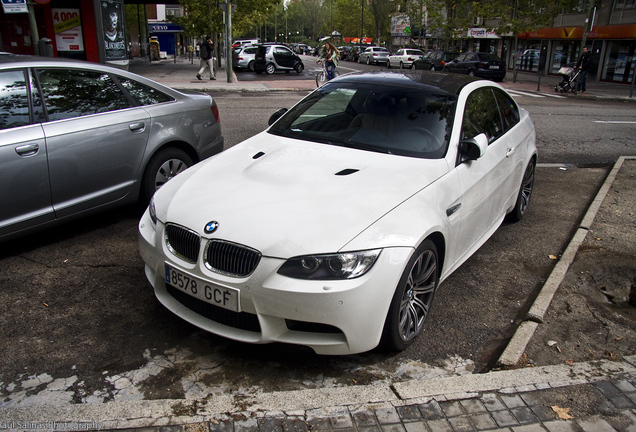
x,y
612,47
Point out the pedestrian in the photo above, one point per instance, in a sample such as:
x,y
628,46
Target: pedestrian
x,y
584,64
330,55
206,54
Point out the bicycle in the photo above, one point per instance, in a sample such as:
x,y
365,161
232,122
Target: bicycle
x,y
321,76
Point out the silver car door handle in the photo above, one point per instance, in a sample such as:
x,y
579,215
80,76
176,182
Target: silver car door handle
x,y
27,150
510,151
137,127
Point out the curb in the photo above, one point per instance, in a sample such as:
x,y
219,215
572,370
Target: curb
x,y
517,345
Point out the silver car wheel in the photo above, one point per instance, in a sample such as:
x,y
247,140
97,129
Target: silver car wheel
x,y
162,167
168,170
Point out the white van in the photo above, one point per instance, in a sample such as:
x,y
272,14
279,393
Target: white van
x,y
243,42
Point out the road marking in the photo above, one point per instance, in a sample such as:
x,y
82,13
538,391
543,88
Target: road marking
x,y
615,122
535,95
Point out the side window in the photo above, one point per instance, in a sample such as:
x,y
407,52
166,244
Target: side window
x,y
461,57
14,99
144,94
72,93
508,109
482,115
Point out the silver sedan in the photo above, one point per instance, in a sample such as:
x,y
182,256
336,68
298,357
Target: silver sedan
x,y
76,137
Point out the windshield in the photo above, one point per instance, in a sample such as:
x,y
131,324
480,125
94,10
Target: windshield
x,y
386,119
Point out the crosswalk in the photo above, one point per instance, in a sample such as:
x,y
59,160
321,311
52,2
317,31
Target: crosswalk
x,y
535,95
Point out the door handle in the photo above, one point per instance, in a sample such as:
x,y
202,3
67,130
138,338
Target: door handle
x,y
510,151
453,209
27,150
137,127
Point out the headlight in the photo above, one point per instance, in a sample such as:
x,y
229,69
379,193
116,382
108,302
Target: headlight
x,y
152,211
346,265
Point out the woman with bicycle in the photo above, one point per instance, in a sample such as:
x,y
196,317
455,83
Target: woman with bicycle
x,y
330,55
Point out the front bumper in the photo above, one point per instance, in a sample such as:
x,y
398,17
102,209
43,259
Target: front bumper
x,y
331,317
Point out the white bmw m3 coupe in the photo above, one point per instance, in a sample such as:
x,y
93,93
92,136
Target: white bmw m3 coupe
x,y
334,227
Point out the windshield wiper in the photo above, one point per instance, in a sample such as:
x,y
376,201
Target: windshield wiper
x,y
366,146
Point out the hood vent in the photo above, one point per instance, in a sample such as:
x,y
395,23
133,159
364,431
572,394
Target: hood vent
x,y
347,171
257,155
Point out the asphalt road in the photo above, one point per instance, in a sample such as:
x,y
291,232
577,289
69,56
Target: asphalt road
x,y
76,311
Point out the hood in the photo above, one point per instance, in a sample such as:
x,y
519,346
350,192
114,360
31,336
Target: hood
x,y
286,197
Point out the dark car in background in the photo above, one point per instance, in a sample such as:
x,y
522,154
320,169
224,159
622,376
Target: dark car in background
x,y
477,64
271,58
344,51
81,137
354,53
434,60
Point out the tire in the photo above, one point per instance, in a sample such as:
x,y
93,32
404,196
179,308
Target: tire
x,y
368,60
321,78
388,64
413,66
432,68
471,73
298,67
270,68
401,65
412,299
162,167
250,66
525,193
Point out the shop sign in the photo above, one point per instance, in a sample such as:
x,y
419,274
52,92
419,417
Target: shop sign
x,y
67,25
14,6
482,33
164,28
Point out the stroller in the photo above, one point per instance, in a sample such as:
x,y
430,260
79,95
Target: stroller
x,y
568,83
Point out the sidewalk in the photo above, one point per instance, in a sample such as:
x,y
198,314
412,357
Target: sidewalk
x,y
181,75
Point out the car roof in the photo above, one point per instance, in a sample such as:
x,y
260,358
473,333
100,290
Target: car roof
x,y
425,80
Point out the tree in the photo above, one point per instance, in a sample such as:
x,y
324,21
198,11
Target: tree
x,y
382,11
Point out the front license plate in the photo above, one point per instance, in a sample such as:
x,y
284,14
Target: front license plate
x,y
227,298
494,67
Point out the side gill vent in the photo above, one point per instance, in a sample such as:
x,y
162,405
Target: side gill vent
x,y
257,155
347,171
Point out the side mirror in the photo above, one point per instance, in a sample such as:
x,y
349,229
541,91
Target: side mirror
x,y
473,148
278,114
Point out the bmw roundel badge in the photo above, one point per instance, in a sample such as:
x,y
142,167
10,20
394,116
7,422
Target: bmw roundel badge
x,y
210,227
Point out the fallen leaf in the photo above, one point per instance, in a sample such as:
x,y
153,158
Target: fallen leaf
x,y
563,413
552,257
619,339
569,362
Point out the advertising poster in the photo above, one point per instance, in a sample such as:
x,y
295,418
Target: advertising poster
x,y
113,30
67,25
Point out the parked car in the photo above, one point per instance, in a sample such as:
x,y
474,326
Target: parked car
x,y
354,53
375,55
276,57
481,65
404,58
344,51
435,60
243,57
401,177
79,137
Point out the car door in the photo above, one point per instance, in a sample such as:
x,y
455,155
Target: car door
x,y
454,66
94,136
25,191
284,57
484,181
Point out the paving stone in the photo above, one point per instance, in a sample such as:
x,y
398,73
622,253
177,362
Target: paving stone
x,y
492,402
375,428
483,421
624,385
473,406
395,427
431,411
528,428
221,426
595,424
561,426
171,428
631,397
621,401
544,413
452,408
270,424
319,424
247,425
504,418
441,425
512,401
365,418
607,388
409,413
524,415
461,424
532,398
342,422
294,424
387,415
416,427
